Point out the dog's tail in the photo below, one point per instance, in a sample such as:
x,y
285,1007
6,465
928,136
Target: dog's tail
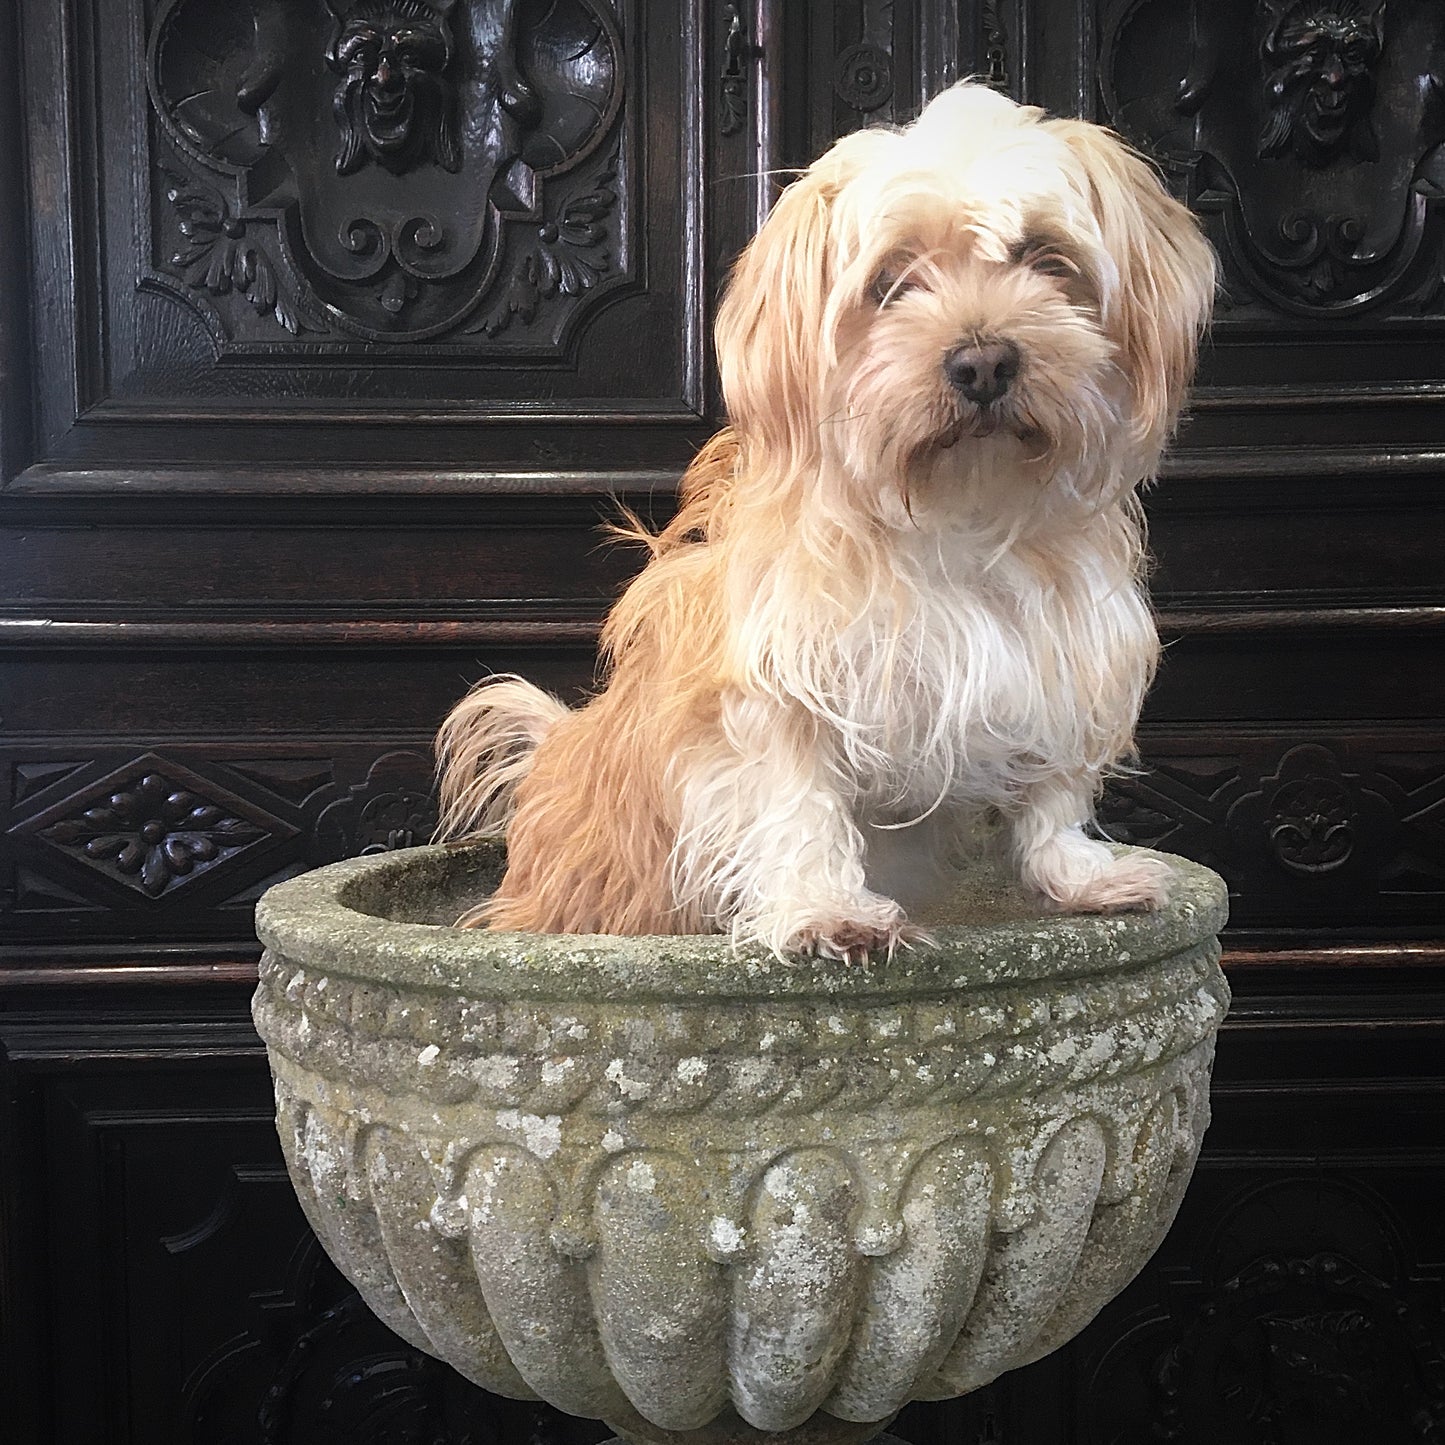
x,y
484,749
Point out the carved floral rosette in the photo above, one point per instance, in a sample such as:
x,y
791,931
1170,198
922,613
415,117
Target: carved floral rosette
x,y
655,1180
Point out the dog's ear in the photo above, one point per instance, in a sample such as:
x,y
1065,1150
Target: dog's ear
x,y
1157,305
770,345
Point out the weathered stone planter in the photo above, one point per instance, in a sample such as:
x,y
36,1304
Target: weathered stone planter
x,y
681,1187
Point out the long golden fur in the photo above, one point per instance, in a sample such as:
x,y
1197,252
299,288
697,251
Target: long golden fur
x,y
903,587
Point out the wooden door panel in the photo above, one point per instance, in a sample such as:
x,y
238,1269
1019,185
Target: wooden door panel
x,y
231,231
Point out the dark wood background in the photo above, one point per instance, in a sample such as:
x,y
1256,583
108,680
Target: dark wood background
x,y
289,457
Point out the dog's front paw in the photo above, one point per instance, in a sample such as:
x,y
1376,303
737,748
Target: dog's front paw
x,y
856,933
1078,875
1124,884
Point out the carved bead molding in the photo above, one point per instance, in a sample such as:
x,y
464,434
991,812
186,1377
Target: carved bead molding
x,y
1308,133
336,170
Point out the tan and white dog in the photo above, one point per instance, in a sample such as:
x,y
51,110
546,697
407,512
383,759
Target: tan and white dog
x,y
904,586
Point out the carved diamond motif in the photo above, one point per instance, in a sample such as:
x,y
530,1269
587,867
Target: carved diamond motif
x,y
154,827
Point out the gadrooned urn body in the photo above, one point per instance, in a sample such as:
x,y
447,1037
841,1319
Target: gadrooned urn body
x,y
707,1194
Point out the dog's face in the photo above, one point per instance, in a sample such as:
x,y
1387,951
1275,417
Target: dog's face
x,y
986,286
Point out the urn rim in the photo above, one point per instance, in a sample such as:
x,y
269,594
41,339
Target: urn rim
x,y
335,919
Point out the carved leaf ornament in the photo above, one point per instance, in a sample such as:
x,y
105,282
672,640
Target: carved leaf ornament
x,y
362,160
153,827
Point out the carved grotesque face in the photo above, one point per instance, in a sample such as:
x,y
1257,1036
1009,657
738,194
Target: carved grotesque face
x,y
1321,61
395,102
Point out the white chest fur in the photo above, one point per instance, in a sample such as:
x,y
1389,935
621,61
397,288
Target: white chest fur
x,y
972,677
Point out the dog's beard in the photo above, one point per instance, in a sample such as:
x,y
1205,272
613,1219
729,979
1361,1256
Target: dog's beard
x,y
911,444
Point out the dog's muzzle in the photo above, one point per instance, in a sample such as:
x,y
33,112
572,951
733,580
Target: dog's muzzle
x,y
983,371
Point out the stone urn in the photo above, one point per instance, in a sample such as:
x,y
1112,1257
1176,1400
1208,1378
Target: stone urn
x,y
709,1195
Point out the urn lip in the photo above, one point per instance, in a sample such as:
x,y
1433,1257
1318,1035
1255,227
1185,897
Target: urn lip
x,y
357,918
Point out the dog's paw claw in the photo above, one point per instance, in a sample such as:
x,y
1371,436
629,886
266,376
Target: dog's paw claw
x,y
853,941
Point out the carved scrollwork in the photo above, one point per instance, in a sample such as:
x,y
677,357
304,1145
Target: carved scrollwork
x,y
1307,132
218,255
1312,827
393,807
567,258
1309,814
1304,832
389,145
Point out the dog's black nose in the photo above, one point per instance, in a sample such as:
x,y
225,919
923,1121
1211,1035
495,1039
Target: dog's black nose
x,y
982,372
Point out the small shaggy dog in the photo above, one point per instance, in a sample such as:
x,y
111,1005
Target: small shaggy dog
x,y
902,593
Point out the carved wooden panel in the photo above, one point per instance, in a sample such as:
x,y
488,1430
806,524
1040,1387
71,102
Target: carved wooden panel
x,y
377,169
1321,833
327,329
1296,1299
223,1318
1331,831
152,826
1308,133
1298,1309
422,215
95,841
862,54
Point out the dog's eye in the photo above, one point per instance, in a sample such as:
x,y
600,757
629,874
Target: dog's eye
x,y
1050,263
888,286
1040,255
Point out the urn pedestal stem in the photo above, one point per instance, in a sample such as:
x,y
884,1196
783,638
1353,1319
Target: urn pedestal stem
x,y
728,1429
787,1438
